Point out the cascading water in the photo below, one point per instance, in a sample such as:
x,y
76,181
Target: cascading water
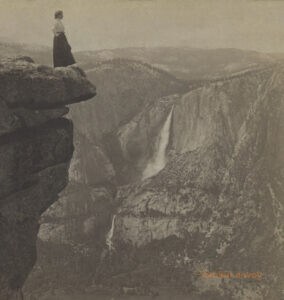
x,y
158,162
109,235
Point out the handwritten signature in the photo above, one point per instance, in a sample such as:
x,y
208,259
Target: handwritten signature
x,y
231,275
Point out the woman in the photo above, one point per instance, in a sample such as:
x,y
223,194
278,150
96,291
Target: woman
x,y
62,55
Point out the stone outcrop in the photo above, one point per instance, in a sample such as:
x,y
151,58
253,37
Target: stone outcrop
x,y
36,145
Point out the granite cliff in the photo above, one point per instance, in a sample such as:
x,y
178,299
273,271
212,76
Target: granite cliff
x,y
36,145
217,205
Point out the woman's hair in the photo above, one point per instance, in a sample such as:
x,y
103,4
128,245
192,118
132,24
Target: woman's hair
x,y
58,13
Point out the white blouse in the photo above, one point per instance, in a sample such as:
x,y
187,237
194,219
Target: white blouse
x,y
58,27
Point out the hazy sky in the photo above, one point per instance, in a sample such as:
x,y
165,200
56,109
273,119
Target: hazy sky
x,y
96,24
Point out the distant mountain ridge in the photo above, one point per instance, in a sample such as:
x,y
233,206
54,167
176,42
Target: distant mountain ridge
x,y
182,62
40,54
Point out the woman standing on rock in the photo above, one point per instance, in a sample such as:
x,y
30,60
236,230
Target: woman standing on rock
x,y
62,55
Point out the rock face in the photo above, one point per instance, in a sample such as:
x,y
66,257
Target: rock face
x,y
218,203
36,145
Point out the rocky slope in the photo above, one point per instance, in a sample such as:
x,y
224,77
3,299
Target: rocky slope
x,y
36,145
218,203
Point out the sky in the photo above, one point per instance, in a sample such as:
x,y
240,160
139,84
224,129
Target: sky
x,y
105,24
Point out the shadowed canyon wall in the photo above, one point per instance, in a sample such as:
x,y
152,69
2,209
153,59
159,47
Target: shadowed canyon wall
x,y
36,145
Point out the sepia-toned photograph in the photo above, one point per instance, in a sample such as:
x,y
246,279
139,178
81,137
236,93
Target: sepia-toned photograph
x,y
141,149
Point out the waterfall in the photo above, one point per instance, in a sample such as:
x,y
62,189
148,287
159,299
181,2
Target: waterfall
x,y
158,161
109,235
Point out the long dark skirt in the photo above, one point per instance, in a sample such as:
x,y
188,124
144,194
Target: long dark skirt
x,y
62,55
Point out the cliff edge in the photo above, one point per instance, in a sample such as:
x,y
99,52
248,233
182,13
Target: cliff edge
x,y
36,145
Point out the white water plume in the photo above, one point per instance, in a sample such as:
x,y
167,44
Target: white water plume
x,y
109,235
159,159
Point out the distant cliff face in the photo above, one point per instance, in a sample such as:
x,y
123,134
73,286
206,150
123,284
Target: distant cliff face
x,y
36,145
218,203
